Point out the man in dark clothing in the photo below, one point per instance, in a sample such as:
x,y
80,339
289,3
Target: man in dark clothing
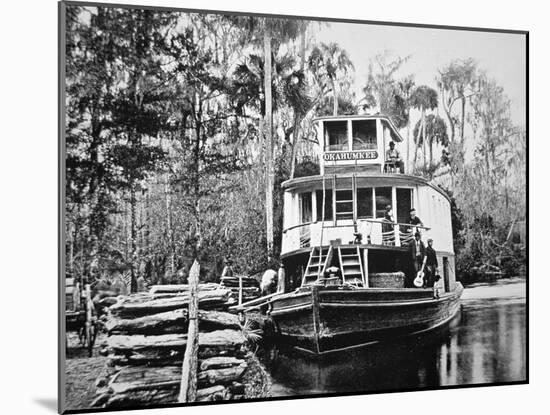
x,y
417,252
414,220
387,227
431,264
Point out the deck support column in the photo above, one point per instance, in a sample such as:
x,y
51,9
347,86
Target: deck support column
x,y
366,266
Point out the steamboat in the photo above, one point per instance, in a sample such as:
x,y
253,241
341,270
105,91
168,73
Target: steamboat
x,y
348,269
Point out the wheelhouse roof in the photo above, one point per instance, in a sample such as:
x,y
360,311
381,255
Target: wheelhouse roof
x,y
364,117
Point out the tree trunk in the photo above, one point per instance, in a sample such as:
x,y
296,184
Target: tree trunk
x,y
268,143
70,241
297,118
133,239
407,168
196,157
169,226
334,97
148,217
462,118
424,137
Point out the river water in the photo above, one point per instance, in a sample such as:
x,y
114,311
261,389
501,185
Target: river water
x,y
485,344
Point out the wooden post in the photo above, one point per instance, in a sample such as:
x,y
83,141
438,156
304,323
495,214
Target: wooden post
x,y
366,266
240,289
188,387
316,316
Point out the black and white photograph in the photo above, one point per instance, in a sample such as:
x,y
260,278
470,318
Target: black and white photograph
x,y
261,207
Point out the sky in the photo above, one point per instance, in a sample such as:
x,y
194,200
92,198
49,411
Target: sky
x,y
502,56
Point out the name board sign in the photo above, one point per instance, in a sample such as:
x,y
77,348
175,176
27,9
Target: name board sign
x,y
351,155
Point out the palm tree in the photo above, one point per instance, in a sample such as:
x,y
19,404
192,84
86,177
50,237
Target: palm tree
x,y
436,132
332,61
423,98
406,88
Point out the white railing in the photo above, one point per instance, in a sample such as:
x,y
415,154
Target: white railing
x,y
309,234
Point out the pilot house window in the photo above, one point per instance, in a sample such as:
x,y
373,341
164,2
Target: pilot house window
x,y
364,135
305,207
383,199
336,135
364,203
328,204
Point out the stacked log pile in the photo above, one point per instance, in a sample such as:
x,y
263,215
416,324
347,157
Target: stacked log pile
x,y
250,287
147,337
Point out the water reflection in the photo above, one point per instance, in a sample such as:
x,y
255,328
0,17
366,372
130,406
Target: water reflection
x,y
486,344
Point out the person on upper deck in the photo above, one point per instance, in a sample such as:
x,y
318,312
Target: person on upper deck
x,y
393,157
388,227
414,220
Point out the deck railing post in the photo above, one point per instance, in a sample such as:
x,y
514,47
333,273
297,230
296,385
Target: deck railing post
x,y
396,235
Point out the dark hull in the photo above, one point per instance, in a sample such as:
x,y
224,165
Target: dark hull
x,y
323,320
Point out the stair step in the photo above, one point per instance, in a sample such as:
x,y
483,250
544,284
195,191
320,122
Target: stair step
x,y
351,264
344,201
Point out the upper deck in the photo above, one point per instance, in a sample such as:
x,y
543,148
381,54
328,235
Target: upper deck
x,y
356,186
355,143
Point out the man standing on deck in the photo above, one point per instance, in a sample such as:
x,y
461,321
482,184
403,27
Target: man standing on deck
x,y
417,252
431,264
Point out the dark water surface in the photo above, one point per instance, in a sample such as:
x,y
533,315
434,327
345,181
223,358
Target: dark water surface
x,y
485,344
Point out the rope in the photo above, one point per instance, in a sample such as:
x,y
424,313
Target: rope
x,y
322,229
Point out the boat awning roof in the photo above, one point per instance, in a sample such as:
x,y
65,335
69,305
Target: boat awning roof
x,y
395,132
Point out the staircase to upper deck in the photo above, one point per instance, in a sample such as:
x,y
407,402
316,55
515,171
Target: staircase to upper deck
x,y
350,265
319,259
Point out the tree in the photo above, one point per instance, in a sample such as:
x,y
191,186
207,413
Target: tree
x,y
331,62
385,92
406,88
436,132
271,33
457,83
423,98
137,106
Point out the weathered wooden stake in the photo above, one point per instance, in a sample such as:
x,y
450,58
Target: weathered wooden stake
x,y
240,289
188,387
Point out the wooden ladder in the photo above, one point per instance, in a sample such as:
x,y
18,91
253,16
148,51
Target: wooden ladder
x,y
319,259
350,265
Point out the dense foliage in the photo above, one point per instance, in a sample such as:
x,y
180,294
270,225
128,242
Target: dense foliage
x,y
170,117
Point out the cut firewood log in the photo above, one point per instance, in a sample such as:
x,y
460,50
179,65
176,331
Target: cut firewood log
x,y
217,376
172,322
139,342
178,288
139,378
142,398
128,307
211,393
221,338
220,362
169,348
234,282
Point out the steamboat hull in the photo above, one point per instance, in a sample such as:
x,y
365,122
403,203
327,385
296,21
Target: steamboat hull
x,y
324,320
